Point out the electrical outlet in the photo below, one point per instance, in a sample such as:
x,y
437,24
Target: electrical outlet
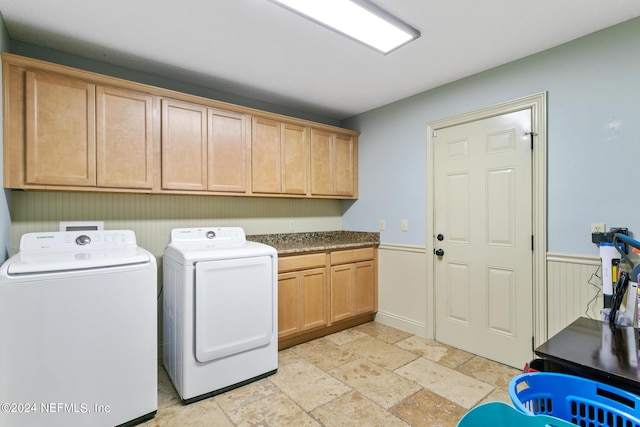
x,y
382,225
292,225
598,227
405,225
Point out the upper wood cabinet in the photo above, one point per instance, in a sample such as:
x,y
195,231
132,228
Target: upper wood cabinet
x,y
126,146
184,146
60,130
69,129
80,134
203,149
295,159
279,157
333,164
345,165
229,142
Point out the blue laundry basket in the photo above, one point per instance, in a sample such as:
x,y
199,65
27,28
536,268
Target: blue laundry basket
x,y
579,400
499,414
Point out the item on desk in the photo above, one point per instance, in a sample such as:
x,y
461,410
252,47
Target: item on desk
x,y
618,294
638,306
612,246
612,314
610,261
632,301
620,319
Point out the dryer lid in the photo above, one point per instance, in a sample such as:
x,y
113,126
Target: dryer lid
x,y
190,245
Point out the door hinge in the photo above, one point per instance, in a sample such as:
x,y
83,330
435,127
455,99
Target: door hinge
x,y
532,243
533,343
434,133
531,134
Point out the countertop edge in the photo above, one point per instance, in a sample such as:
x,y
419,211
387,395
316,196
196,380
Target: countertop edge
x,y
304,243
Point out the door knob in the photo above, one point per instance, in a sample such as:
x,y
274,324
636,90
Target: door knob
x,y
439,252
440,237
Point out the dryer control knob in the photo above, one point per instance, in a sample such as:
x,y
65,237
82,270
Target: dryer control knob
x,y
83,240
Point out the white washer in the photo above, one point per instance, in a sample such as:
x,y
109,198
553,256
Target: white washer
x,y
220,322
78,331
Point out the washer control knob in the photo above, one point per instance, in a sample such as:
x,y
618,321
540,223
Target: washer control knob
x,y
211,234
83,239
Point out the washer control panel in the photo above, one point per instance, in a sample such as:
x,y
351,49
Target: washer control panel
x,y
73,240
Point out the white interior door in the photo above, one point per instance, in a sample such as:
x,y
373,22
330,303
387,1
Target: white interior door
x,y
483,226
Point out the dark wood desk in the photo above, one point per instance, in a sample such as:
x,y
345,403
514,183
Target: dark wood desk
x,y
592,349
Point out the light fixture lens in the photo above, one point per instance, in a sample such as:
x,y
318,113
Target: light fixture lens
x,y
368,25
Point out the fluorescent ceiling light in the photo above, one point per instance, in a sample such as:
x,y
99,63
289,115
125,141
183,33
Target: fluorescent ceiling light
x,y
357,19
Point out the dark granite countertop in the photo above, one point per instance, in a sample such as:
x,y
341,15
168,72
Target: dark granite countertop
x,y
292,243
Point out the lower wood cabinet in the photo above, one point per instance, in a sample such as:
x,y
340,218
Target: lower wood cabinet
x,y
353,284
325,292
302,294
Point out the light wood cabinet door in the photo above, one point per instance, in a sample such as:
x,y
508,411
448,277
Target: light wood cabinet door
x,y
60,130
364,284
333,164
184,146
344,165
302,301
294,159
126,144
288,304
265,156
313,285
279,157
321,162
228,148
353,283
342,282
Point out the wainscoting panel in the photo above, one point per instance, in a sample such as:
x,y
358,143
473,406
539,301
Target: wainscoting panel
x,y
402,288
573,289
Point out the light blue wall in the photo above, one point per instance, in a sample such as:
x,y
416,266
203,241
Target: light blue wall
x,y
593,87
5,195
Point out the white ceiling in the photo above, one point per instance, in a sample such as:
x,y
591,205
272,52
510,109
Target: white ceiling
x,y
257,49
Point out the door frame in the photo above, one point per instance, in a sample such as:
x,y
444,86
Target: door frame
x,y
537,103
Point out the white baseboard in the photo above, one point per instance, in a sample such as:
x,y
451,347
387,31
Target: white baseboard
x,y
403,324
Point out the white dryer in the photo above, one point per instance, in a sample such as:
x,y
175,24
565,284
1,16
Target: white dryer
x,y
220,318
78,331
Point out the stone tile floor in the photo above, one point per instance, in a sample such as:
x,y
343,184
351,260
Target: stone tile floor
x,y
369,375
